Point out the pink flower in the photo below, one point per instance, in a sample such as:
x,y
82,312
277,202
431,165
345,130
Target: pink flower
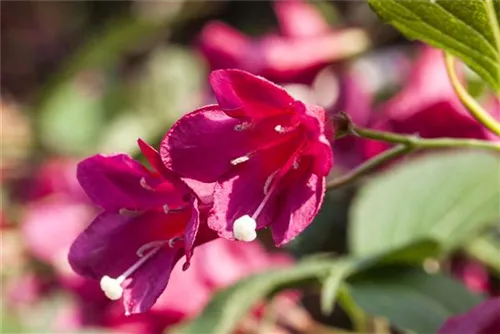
x,y
482,319
150,220
472,273
427,106
306,45
267,154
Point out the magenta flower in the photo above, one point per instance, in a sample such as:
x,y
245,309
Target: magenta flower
x,y
427,106
482,319
267,154
150,220
304,46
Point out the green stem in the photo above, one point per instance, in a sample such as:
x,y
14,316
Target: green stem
x,y
495,27
355,313
367,166
417,142
475,109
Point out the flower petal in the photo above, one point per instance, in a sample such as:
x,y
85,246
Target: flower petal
x,y
298,205
299,19
191,231
482,319
244,95
242,190
119,182
109,245
202,143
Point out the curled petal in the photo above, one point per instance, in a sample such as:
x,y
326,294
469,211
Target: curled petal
x,y
243,95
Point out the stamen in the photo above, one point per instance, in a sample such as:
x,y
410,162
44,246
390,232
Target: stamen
x,y
244,228
283,129
145,185
239,160
295,164
242,126
166,209
173,241
112,286
130,213
268,181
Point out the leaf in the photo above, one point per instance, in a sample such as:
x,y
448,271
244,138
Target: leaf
x,y
226,309
331,285
445,197
411,299
465,28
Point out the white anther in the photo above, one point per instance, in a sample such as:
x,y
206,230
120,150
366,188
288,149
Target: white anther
x,y
242,126
244,228
239,160
166,209
295,164
111,287
279,128
145,185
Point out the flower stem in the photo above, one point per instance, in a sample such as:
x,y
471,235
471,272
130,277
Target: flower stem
x,y
404,144
475,109
367,166
355,313
417,142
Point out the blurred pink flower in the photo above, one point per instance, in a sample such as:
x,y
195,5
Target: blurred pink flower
x,y
304,46
267,153
472,273
482,319
427,106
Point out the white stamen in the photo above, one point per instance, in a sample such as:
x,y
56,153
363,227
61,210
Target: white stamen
x,y
279,128
145,185
268,182
153,244
173,241
166,209
244,228
242,126
130,213
112,286
239,160
295,164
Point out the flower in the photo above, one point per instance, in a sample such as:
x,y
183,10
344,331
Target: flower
x,y
482,319
267,154
305,46
427,106
149,220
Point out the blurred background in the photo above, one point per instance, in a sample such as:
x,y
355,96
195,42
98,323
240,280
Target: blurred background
x,y
86,77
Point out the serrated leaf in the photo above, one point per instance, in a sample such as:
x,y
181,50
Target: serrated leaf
x,y
446,197
468,29
411,299
226,309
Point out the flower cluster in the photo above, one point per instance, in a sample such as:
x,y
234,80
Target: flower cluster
x,y
258,158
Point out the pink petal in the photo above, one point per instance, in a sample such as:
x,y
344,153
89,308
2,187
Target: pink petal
x,y
226,47
244,95
482,319
241,190
109,245
298,205
298,19
202,143
118,182
191,231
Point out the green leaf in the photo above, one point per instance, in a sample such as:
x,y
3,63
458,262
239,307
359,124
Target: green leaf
x,y
411,299
226,309
445,197
468,29
338,272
